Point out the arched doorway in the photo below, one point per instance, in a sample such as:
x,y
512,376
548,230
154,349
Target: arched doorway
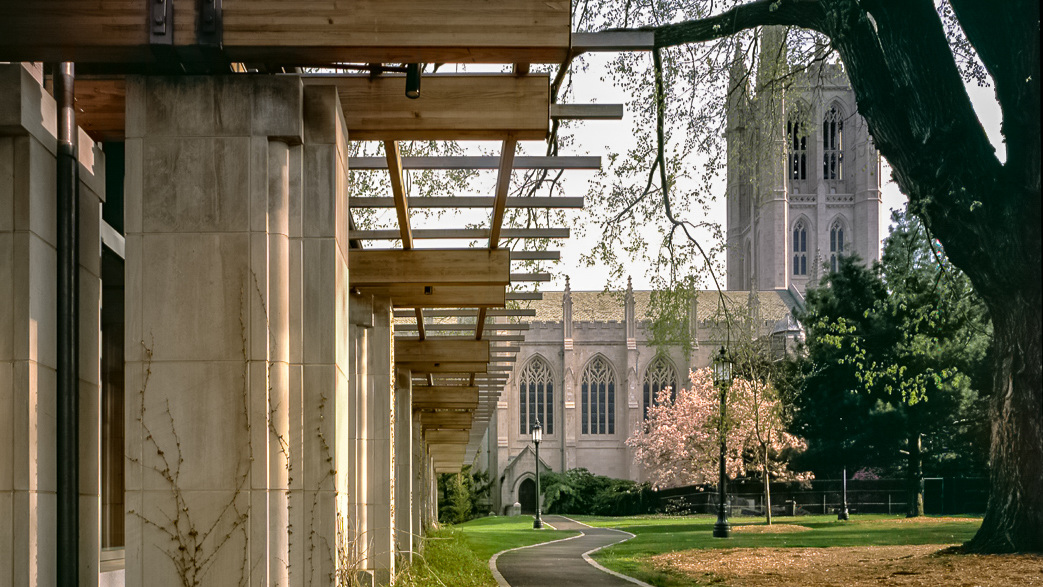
x,y
527,496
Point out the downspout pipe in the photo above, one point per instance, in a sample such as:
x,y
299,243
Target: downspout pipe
x,y
68,335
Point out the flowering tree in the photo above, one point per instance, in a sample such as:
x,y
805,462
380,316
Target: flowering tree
x,y
680,442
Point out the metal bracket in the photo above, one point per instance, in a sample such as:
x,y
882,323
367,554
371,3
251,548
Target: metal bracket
x,y
210,28
161,22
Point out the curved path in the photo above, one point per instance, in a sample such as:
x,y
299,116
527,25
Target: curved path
x,y
562,562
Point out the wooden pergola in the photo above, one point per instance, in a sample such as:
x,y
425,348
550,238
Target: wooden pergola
x,y
458,368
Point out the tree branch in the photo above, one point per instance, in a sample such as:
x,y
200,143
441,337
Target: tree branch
x,y
803,13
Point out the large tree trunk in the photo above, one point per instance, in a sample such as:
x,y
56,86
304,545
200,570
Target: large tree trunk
x,y
1014,517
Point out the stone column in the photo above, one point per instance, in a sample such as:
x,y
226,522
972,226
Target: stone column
x,y
417,493
403,463
321,545
28,323
357,487
380,473
207,293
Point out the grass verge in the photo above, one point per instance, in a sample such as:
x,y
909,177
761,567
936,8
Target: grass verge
x,y
458,556
656,535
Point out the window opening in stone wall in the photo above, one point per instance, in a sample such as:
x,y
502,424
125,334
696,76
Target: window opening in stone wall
x,y
833,145
798,150
800,248
836,244
598,396
536,390
659,375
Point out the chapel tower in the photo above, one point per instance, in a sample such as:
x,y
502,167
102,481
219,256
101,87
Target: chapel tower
x,y
803,176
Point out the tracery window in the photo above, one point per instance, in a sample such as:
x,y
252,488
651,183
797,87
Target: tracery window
x,y
800,248
833,145
598,395
836,244
798,150
659,375
536,396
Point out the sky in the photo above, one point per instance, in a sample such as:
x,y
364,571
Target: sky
x,y
602,137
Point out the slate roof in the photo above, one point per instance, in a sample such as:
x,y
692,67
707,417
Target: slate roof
x,y
601,306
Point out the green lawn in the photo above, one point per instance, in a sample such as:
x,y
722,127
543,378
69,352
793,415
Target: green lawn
x,y
458,556
656,535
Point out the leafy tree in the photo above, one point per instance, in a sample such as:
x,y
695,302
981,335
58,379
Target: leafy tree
x,y
907,62
679,444
896,345
460,494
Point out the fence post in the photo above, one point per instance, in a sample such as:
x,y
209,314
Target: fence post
x,y
888,502
823,502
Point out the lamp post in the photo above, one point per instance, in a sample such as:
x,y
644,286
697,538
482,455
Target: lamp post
x,y
537,436
722,376
844,515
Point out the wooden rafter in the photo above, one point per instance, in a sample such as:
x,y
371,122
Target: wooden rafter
x,y
503,186
473,162
470,202
429,267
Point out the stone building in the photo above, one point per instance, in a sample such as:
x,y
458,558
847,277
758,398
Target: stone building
x,y
588,371
803,176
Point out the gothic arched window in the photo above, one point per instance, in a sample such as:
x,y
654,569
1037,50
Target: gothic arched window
x,y
800,248
536,395
598,396
833,144
836,244
659,375
798,150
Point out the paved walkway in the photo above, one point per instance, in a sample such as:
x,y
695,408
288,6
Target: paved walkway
x,y
562,562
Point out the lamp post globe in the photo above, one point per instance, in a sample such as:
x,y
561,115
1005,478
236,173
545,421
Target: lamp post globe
x,y
722,377
537,436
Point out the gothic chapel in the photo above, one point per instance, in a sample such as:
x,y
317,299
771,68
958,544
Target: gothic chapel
x,y
803,189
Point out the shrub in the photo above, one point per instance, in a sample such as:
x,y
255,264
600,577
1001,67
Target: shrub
x,y
578,491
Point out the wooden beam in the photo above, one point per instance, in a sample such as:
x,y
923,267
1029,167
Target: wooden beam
x,y
477,162
316,33
463,327
100,108
441,350
480,326
453,107
447,420
447,437
465,313
503,185
420,323
428,267
398,31
535,255
460,233
469,202
445,397
530,277
524,295
447,367
586,112
441,296
394,163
